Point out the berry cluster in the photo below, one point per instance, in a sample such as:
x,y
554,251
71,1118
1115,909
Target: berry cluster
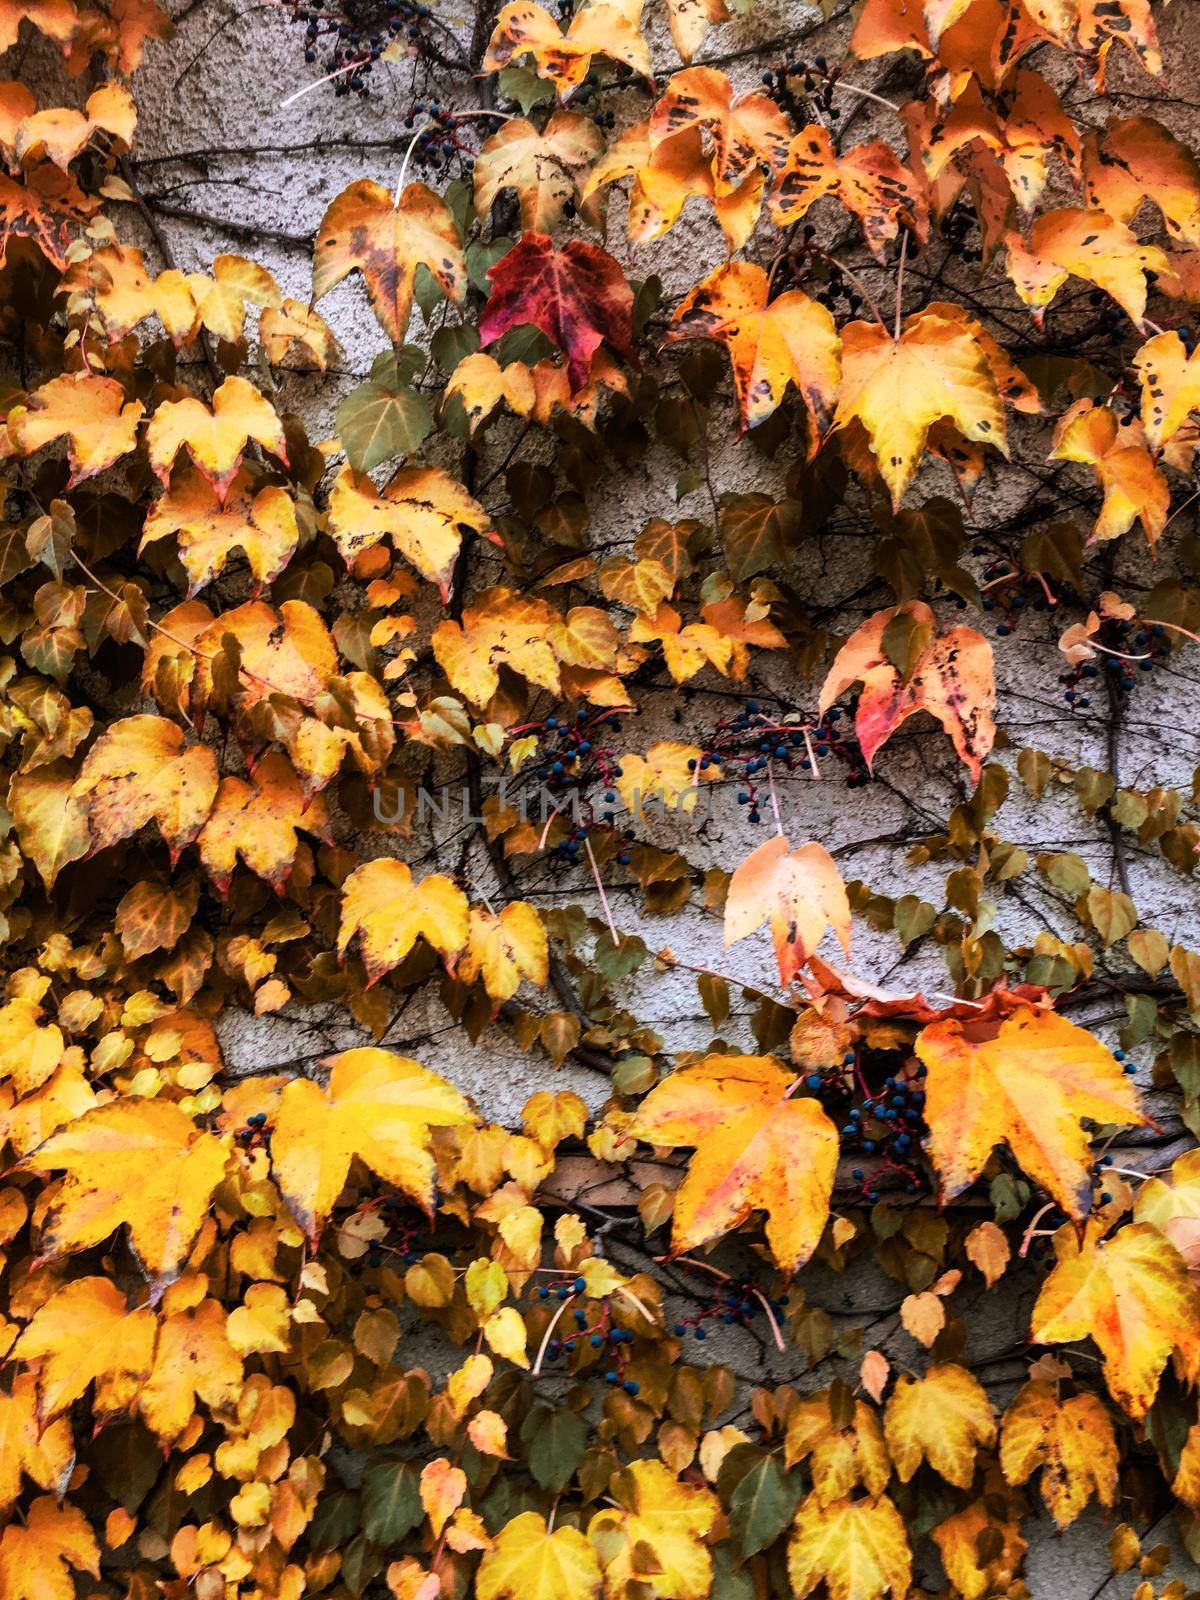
x,y
403,1239
799,81
1146,642
1010,590
754,740
598,1335
887,1123
347,39
735,1304
254,1133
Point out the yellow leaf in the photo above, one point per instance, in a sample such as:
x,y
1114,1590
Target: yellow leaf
x,y
422,510
1027,1081
89,412
215,438
258,822
261,1324
1071,1440
504,948
802,893
528,1562
30,1050
505,1332
988,1249
45,1453
138,771
544,168
194,1362
207,530
378,1107
389,913
944,1418
35,1555
759,1147
845,1451
143,1163
85,1334
655,1537
488,1432
858,1548
443,1490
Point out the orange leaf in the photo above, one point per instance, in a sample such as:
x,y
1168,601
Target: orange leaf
x,y
214,438
802,893
36,1555
89,412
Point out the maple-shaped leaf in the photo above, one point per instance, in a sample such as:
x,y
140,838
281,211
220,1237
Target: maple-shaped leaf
x,y
1132,1295
1077,242
365,230
529,1562
378,1107
389,912
759,1147
502,628
944,1418
1173,1206
208,528
657,1532
84,1334
771,343
215,438
91,413
666,173
870,180
292,326
845,1450
609,28
43,1451
257,822
982,1546
139,771
1134,488
800,891
950,675
221,299
481,383
1028,1080
857,1548
194,1363
667,775
1138,159
899,388
545,168
747,132
577,296
504,947
1170,380
143,1163
687,648
422,510
37,1553
1070,1438
61,133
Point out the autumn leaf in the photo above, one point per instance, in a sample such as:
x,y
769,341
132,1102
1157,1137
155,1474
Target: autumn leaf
x,y
1138,159
257,822
215,438
1132,485
944,1418
194,1363
378,1107
845,1450
868,179
899,388
140,1163
545,168
747,132
802,893
207,530
50,820
1028,1080
422,510
90,412
140,771
365,230
791,339
36,1554
1170,380
501,628
83,1334
951,677
43,1451
597,27
857,1548
759,1147
666,173
655,1534
1070,1439
389,912
577,296
528,1562
1076,242
1132,1295
504,947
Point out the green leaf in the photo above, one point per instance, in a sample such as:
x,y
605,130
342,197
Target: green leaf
x,y
761,1498
452,344
361,1562
391,1501
481,258
525,87
379,420
757,532
555,1442
335,1521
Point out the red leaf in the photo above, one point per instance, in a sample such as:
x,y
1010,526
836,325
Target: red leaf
x,y
577,296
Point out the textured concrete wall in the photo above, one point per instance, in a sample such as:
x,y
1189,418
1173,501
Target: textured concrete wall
x,y
214,141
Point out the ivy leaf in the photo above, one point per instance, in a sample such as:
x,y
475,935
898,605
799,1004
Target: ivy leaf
x,y
656,1513
576,296
365,230
208,528
423,511
140,1163
944,1418
139,771
36,1554
389,912
761,1498
529,1562
868,179
215,438
597,27
391,1502
1029,1081
759,1147
378,1107
85,1334
544,168
554,1441
383,417
802,893
1133,1296
1070,1438
89,412
858,1548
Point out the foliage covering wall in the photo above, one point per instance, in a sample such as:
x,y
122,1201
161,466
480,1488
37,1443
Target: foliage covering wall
x,y
601,963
